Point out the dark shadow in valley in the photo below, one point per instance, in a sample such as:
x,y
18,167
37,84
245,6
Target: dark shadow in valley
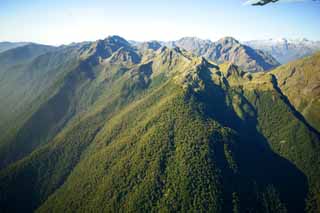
x,y
258,167
296,113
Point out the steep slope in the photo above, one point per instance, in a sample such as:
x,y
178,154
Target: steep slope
x,y
4,46
285,128
22,54
300,83
42,95
153,129
228,50
286,50
28,83
18,81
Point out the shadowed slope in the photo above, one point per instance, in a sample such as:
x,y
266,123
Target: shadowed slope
x,y
158,129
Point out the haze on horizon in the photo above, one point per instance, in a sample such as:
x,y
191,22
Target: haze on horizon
x,y
62,22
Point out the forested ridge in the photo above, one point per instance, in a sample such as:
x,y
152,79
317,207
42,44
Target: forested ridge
x,y
107,126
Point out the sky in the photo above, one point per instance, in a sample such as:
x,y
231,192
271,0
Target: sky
x,y
59,22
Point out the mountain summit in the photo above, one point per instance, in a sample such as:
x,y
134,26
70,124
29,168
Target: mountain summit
x,y
106,126
228,49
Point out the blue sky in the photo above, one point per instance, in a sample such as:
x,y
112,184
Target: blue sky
x,y
62,21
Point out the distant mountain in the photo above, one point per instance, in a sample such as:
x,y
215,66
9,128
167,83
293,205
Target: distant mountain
x,y
153,45
107,126
285,50
23,54
10,45
27,78
228,50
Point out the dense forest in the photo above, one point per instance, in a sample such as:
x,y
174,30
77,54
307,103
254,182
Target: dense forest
x,y
108,126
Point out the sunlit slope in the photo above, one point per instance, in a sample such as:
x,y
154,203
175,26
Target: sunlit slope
x,y
159,129
228,49
300,82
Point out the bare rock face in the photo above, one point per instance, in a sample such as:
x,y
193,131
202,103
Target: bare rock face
x,y
228,49
116,127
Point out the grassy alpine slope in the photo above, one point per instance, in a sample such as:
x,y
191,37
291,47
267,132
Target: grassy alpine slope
x,y
159,129
304,76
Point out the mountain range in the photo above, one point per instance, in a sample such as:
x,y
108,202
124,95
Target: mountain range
x,y
286,50
117,126
10,45
228,49
255,55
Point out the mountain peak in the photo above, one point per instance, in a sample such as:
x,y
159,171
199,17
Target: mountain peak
x,y
167,132
191,43
102,49
228,40
115,39
153,45
232,69
170,53
227,49
192,38
125,55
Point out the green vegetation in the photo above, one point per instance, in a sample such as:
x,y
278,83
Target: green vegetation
x,y
108,127
304,76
